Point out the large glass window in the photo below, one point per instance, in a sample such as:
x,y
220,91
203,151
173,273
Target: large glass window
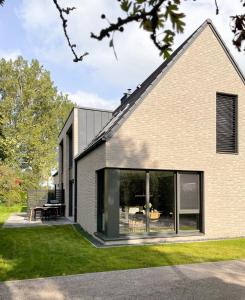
x,y
162,202
141,201
132,201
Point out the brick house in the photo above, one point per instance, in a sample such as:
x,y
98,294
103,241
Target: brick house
x,y
169,165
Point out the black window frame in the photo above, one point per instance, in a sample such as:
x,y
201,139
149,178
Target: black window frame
x,y
200,230
61,153
100,200
220,149
70,147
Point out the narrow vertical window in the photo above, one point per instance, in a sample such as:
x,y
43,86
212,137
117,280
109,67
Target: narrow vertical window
x,y
226,123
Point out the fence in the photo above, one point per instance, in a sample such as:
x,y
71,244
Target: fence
x,y
40,197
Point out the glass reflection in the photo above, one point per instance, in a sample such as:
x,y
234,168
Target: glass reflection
x,y
162,204
132,201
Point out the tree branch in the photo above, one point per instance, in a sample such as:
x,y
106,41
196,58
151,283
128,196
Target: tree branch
x,y
151,20
121,22
217,7
66,11
238,28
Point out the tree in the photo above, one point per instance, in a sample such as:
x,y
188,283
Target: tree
x,y
3,153
33,113
161,18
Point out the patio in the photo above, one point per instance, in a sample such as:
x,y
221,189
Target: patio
x,y
22,220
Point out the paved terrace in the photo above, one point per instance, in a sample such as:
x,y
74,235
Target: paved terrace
x,y
21,220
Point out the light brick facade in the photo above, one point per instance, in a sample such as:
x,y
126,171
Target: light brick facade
x,y
174,128
87,188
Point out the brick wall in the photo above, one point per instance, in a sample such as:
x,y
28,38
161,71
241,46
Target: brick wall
x,y
174,128
87,188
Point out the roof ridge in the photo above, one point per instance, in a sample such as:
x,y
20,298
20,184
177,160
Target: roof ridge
x,y
163,64
126,107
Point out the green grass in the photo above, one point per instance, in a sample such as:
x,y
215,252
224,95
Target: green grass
x,y
6,211
62,250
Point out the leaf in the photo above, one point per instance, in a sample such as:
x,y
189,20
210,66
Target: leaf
x,y
125,5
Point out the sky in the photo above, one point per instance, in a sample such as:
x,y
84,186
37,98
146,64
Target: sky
x,y
32,29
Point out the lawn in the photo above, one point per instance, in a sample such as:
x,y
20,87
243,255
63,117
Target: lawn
x,y
5,211
62,250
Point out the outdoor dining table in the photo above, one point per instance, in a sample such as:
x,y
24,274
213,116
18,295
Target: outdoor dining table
x,y
34,211
44,210
60,206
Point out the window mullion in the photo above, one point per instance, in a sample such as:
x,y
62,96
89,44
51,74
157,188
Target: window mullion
x,y
147,201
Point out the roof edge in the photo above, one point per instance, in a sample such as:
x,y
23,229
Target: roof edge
x,y
227,51
94,109
66,121
89,149
85,108
110,132
208,22
186,44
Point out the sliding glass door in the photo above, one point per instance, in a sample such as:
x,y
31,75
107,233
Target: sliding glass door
x,y
188,198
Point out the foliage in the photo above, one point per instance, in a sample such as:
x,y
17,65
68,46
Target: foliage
x,y
238,28
152,16
70,253
3,153
11,190
161,18
6,211
32,113
155,16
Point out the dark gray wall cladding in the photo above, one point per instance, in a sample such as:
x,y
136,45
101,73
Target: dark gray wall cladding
x,y
90,122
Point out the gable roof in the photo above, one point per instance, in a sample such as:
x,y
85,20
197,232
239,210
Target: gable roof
x,y
125,108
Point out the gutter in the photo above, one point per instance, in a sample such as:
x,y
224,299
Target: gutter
x,y
89,149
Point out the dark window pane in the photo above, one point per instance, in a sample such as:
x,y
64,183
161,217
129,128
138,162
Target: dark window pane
x,y
226,123
189,222
100,197
70,139
132,201
189,191
162,201
61,157
70,198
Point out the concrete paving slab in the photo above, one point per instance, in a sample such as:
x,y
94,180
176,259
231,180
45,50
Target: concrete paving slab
x,y
206,281
17,220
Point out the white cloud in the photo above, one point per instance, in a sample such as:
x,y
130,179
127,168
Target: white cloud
x,y
11,54
137,56
38,14
84,99
197,12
